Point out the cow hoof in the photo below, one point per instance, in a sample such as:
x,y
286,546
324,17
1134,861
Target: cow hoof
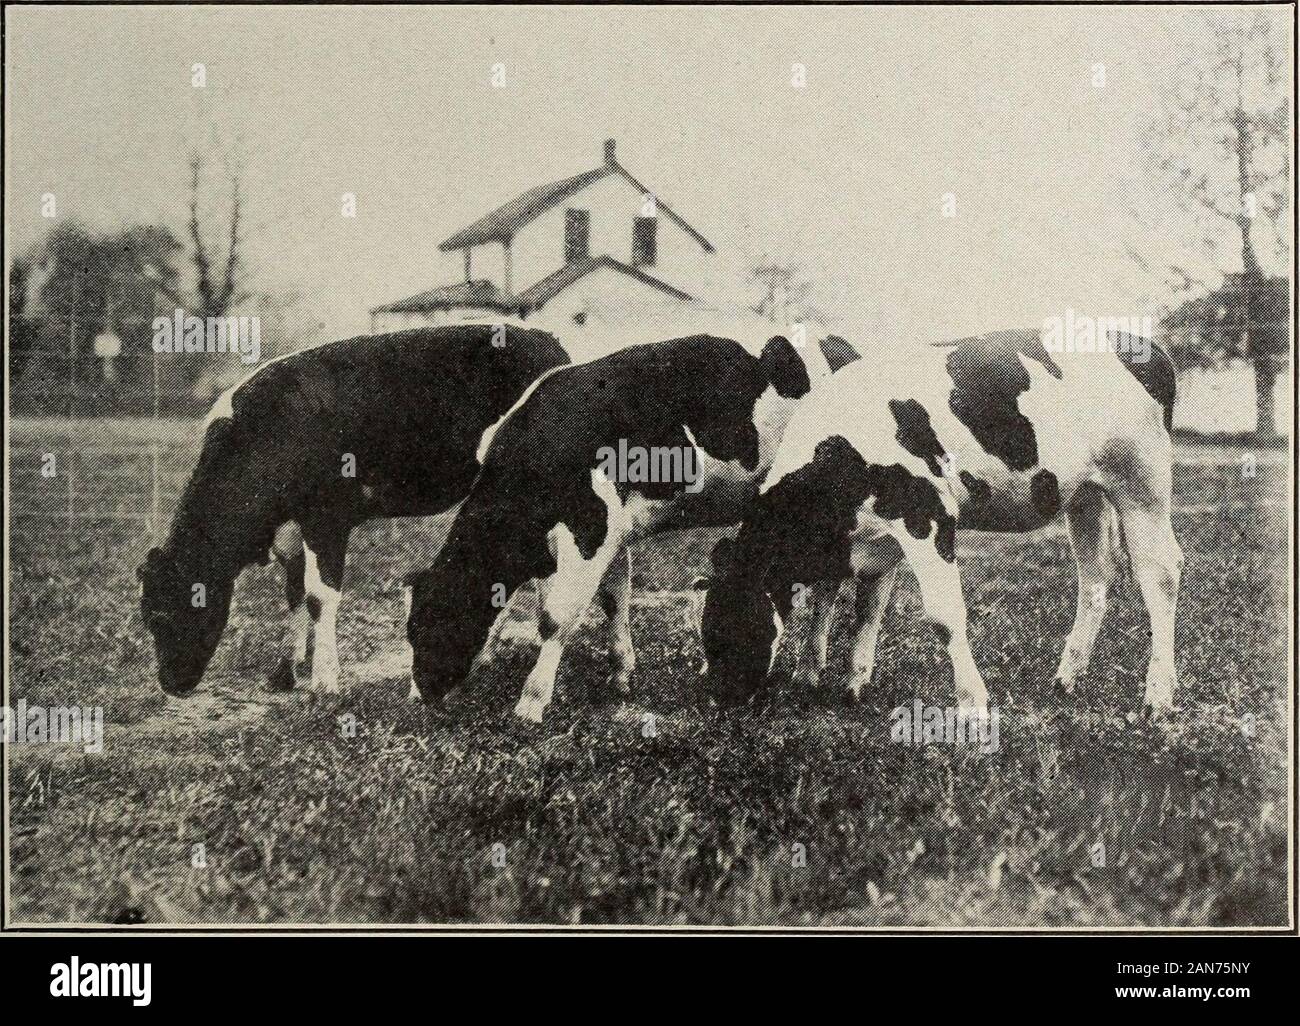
x,y
1063,685
857,686
323,696
1154,712
530,710
282,677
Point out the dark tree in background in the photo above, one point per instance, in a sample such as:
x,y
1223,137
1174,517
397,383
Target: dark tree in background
x,y
80,282
76,284
1219,144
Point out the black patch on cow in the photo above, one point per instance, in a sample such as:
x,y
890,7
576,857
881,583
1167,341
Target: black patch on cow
x,y
546,625
900,495
980,490
839,352
799,532
987,382
1045,494
313,607
1156,373
608,605
916,434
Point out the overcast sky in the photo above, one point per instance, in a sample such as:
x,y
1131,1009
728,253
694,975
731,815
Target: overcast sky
x,y
902,105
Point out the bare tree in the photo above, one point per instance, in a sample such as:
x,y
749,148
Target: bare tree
x,y
1218,144
215,250
216,281
786,291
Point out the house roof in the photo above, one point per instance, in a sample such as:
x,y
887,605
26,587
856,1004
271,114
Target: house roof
x,y
485,294
552,285
464,293
502,224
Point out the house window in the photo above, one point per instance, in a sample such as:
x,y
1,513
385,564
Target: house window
x,y
577,235
643,241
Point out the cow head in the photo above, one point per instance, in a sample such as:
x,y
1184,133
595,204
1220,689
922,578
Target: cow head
x,y
185,615
738,627
724,424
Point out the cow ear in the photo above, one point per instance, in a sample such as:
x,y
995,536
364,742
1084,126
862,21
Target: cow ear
x,y
839,352
783,368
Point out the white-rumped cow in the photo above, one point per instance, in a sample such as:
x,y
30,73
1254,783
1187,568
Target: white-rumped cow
x,y
306,448
546,505
892,455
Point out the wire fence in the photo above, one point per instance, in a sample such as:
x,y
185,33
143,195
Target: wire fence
x,y
68,473
103,428
107,430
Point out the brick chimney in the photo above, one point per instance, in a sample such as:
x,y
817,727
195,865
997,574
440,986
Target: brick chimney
x,y
609,152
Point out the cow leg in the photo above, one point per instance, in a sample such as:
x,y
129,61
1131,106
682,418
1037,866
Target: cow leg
x,y
568,593
492,647
869,609
616,599
293,667
323,580
941,594
488,655
1138,477
1094,539
811,662
1157,567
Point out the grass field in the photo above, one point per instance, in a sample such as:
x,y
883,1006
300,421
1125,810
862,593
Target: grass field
x,y
804,814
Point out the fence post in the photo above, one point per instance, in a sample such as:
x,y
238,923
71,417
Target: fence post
x,y
72,399
154,527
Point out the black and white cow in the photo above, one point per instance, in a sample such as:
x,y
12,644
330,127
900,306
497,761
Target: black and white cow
x,y
306,448
890,456
542,509
724,494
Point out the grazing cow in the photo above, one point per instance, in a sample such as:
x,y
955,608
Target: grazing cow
x,y
891,455
544,507
726,492
302,451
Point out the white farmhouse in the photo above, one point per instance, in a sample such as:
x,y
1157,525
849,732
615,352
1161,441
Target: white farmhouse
x,y
584,257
